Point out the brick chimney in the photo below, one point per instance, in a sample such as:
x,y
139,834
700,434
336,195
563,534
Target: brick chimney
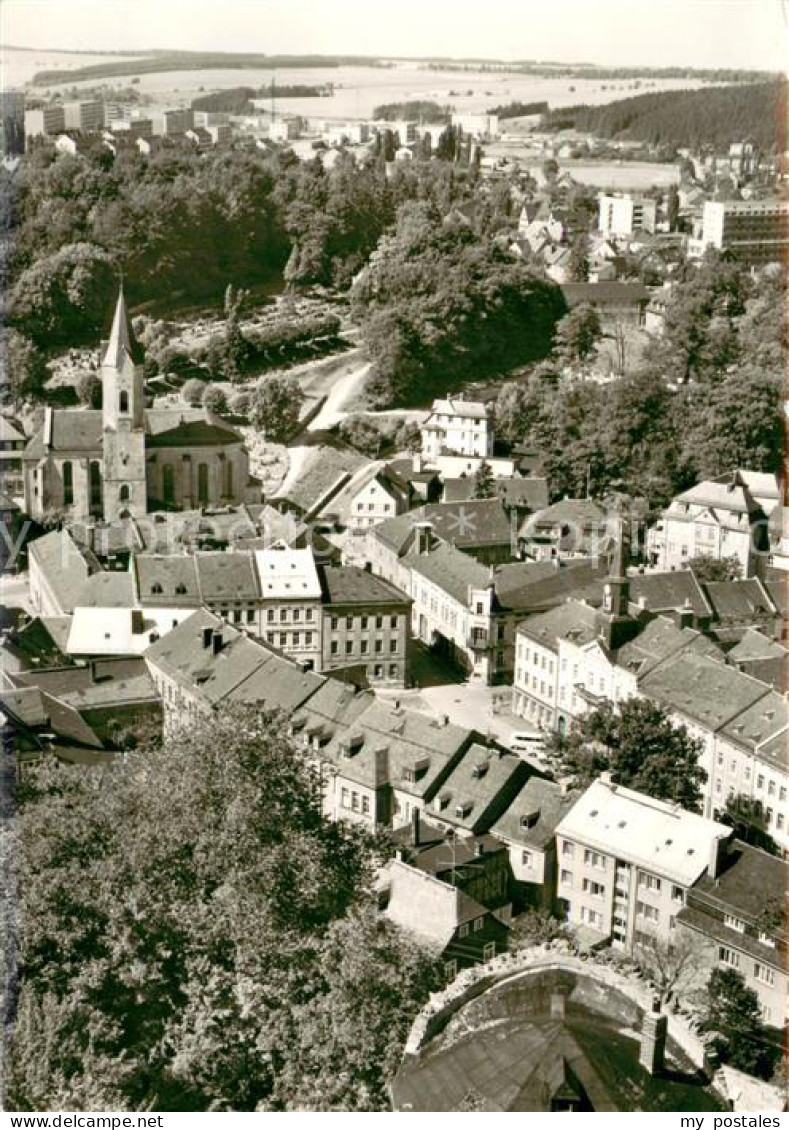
x,y
654,1027
415,827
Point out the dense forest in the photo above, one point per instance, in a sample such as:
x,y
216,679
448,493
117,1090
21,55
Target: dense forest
x,y
713,116
519,109
238,99
422,109
195,935
159,62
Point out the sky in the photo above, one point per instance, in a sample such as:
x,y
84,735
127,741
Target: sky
x,y
701,33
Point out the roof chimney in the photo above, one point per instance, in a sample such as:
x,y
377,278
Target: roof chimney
x,y
415,827
137,624
652,1054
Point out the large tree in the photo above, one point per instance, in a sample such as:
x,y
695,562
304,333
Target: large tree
x,y
274,407
577,335
731,1013
195,934
640,746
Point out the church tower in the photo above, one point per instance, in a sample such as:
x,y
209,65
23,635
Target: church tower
x,y
123,409
615,625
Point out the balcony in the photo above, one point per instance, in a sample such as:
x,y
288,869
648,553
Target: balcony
x,y
479,640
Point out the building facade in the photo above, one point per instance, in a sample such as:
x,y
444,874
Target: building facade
x,y
458,427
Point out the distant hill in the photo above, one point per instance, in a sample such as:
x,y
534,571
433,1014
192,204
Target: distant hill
x,y
714,115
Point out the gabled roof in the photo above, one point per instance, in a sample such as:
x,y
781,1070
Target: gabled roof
x,y
121,343
464,409
743,601
348,584
479,787
107,590
531,819
605,292
72,429
451,569
65,565
571,621
427,906
703,689
529,493
9,433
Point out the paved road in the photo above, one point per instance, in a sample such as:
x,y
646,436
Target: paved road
x,y
485,709
343,390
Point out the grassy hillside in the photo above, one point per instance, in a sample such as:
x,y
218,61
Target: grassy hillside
x,y
716,115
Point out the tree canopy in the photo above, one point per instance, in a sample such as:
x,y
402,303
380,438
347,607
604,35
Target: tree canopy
x,y
641,748
731,1013
196,935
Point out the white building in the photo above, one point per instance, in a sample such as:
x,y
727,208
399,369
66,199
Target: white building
x,y
459,427
623,214
291,597
713,519
626,862
481,126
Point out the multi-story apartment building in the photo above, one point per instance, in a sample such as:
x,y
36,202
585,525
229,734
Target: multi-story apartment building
x,y
754,231
741,724
626,862
622,214
178,120
712,519
85,116
738,917
12,116
365,624
459,427
54,118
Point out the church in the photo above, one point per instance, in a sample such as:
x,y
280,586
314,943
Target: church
x,y
126,460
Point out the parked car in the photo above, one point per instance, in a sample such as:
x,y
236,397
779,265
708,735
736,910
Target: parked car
x,y
528,742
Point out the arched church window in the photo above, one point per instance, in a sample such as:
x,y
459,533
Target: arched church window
x,y
68,484
123,493
123,402
168,483
202,483
95,484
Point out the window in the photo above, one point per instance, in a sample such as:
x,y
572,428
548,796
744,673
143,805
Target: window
x,y
308,639
489,951
677,894
296,615
68,484
729,957
250,615
592,888
308,614
344,798
270,616
283,615
393,621
349,621
334,623
463,930
526,858
296,638
763,973
365,620
644,910
393,646
202,483
565,876
378,671
379,646
355,802
379,621
335,647
283,639
366,805
364,647
123,402
348,647
734,923
478,924
393,671
650,882
760,781
124,493
450,970
567,848
594,859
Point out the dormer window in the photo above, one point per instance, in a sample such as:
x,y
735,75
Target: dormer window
x,y
180,589
156,590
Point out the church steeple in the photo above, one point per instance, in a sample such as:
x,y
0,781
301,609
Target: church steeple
x,y
616,625
121,340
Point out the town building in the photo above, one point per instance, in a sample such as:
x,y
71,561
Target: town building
x,y
738,916
125,459
485,127
54,118
621,214
365,624
87,117
12,116
572,527
177,120
58,569
377,494
291,602
626,862
755,232
615,301
12,444
459,427
712,519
